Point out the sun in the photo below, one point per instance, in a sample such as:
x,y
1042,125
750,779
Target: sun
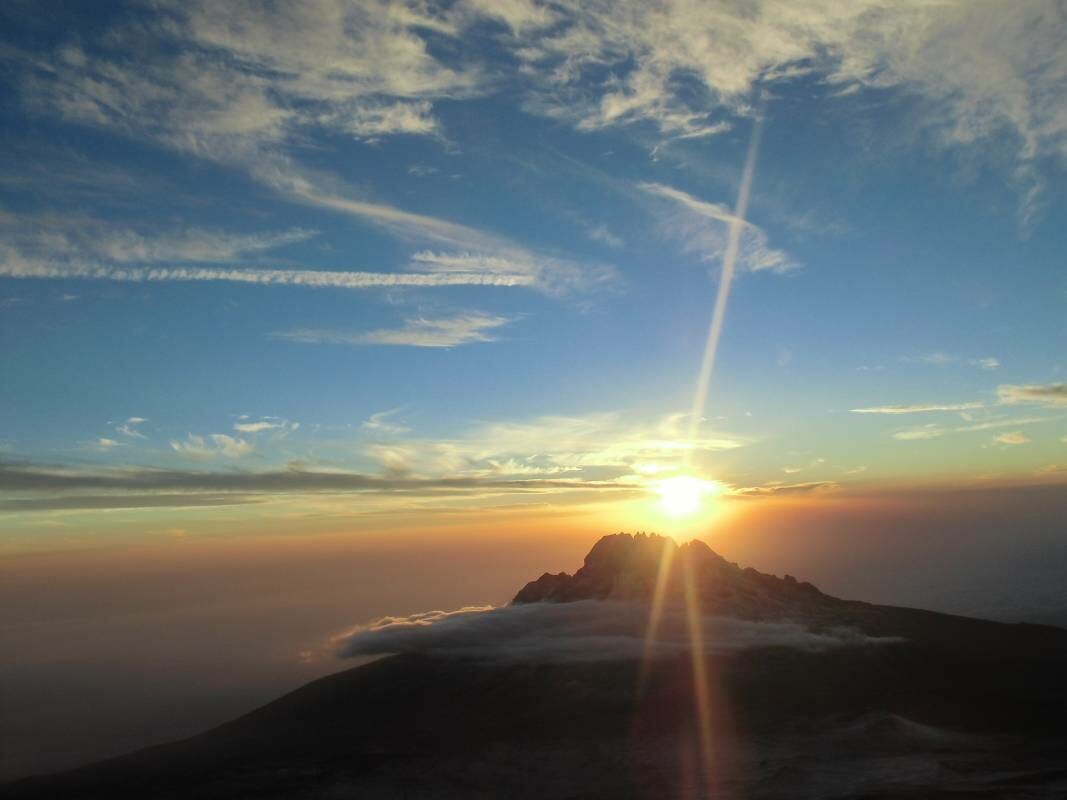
x,y
684,495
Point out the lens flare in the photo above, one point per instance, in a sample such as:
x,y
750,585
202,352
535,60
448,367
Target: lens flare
x,y
729,262
684,495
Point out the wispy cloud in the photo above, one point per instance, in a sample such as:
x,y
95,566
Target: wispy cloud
x,y
246,425
422,170
192,245
418,332
702,227
933,431
129,427
942,359
235,82
918,408
102,502
78,237
573,458
213,445
34,478
88,250
1047,394
601,445
934,359
551,274
786,489
235,85
1012,438
284,177
382,423
689,68
601,233
230,81
920,434
1001,422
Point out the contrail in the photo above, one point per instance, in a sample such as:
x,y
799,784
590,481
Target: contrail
x,y
729,262
332,279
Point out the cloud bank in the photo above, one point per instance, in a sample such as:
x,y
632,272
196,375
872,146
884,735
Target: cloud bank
x,y
582,631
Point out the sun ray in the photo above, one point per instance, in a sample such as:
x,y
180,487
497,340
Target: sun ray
x,y
722,295
659,597
695,619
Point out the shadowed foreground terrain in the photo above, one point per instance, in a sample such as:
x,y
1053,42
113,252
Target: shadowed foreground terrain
x,y
927,705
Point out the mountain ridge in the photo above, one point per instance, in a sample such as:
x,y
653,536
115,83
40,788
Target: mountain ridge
x,y
625,566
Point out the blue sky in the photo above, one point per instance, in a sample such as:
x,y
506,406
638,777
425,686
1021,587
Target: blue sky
x,y
415,244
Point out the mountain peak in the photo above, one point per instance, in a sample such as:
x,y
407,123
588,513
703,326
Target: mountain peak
x,y
627,567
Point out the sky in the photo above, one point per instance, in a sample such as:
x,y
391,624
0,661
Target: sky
x,y
285,278
352,257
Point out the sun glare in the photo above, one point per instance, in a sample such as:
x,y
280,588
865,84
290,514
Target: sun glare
x,y
684,495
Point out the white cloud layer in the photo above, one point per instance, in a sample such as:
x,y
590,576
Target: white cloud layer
x,y
581,631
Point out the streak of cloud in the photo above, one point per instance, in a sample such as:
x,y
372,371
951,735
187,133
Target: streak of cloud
x,y
919,408
29,478
13,265
101,502
420,332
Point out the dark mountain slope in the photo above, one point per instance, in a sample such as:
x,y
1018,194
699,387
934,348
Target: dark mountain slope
x,y
626,567
961,705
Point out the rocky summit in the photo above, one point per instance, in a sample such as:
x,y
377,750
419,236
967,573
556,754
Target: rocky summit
x,y
627,567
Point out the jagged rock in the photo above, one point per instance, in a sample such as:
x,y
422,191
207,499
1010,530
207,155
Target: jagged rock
x,y
627,567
